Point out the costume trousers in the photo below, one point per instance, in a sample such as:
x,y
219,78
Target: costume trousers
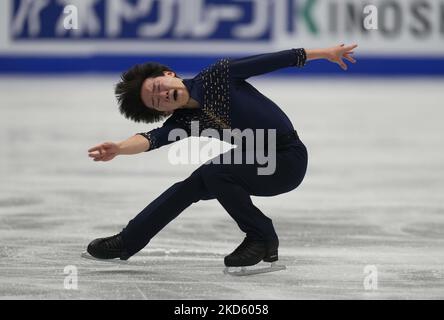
x,y
232,185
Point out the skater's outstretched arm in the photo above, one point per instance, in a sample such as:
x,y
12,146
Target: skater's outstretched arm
x,y
264,63
109,150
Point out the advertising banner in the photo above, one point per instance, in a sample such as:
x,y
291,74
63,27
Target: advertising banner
x,y
97,34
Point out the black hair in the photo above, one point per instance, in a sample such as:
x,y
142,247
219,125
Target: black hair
x,y
129,96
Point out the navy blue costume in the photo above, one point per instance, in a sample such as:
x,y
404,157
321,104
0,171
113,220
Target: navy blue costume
x,y
227,101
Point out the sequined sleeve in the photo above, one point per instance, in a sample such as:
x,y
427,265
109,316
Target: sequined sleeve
x,y
263,63
158,137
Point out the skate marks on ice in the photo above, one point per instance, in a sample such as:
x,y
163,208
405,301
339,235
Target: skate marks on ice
x,y
14,201
160,272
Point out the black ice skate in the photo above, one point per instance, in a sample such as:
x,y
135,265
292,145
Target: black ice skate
x,y
250,253
104,249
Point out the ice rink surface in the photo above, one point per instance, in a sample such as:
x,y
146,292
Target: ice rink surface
x,y
373,196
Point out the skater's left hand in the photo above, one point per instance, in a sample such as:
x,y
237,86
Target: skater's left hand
x,y
336,54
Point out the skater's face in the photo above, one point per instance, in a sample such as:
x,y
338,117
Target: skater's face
x,y
165,93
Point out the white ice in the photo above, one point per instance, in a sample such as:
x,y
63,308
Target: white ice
x,y
373,196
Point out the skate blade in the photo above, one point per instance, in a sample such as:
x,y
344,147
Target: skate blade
x,y
246,271
86,255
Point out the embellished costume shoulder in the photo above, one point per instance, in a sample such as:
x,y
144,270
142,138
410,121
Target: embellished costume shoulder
x,y
216,87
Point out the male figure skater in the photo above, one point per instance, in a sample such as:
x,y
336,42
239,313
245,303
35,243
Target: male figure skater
x,y
219,97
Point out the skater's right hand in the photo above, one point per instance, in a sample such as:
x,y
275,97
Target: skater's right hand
x,y
104,152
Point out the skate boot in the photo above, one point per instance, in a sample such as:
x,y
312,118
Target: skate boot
x,y
106,249
251,252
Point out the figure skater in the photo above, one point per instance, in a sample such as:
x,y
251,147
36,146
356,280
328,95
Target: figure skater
x,y
218,98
